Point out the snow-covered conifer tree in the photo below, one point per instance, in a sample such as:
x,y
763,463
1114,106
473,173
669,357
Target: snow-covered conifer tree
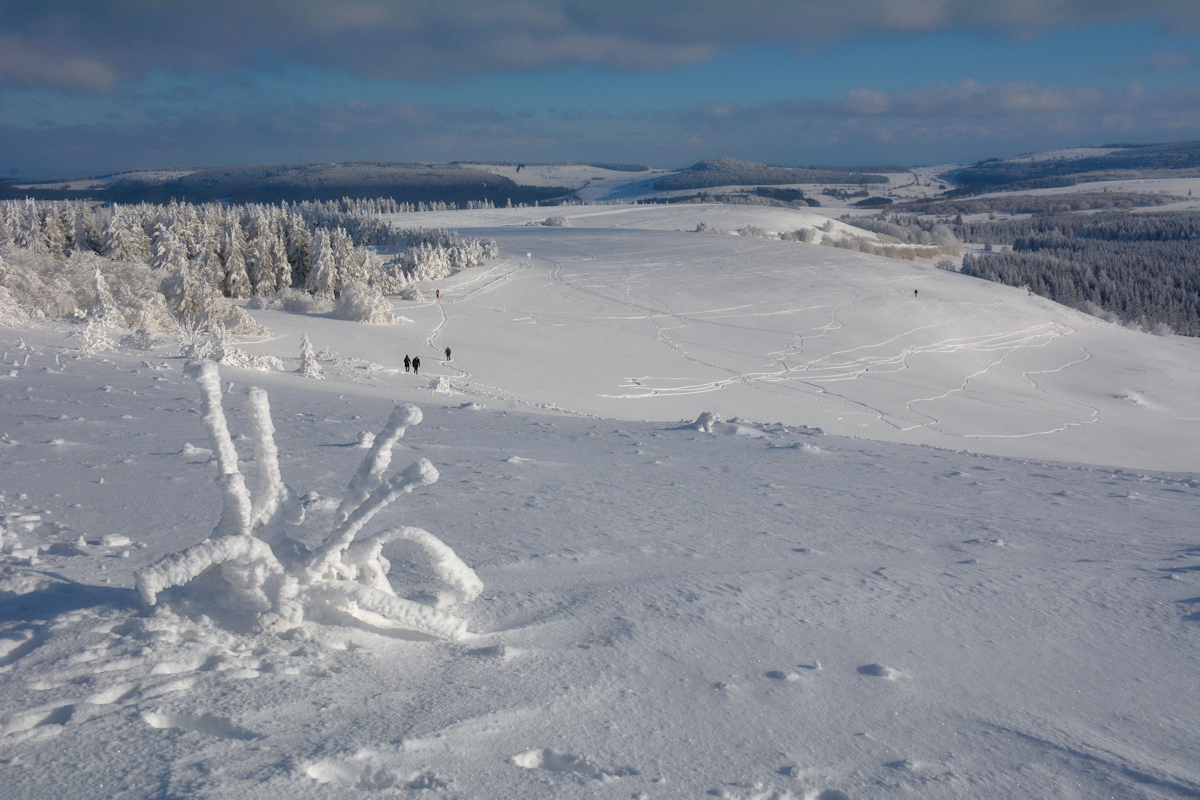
x,y
309,367
103,308
124,239
166,251
237,282
276,271
54,233
186,293
298,240
322,273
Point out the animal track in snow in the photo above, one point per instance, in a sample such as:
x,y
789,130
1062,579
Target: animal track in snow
x,y
360,773
208,724
791,675
879,671
552,761
38,718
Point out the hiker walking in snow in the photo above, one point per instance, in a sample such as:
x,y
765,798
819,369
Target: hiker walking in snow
x,y
416,364
447,353
406,362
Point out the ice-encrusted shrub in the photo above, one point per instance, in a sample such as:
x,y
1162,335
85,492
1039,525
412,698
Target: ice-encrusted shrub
x,y
413,294
141,339
1088,307
556,222
250,565
206,338
49,286
236,320
93,338
293,301
12,315
362,303
309,368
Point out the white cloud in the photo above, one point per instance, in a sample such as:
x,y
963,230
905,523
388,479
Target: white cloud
x,y
868,101
31,67
66,43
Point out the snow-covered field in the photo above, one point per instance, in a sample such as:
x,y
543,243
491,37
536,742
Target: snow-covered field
x,y
817,593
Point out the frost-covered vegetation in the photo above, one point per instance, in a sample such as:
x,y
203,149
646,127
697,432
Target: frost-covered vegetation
x,y
179,260
1138,268
252,569
908,239
1040,203
908,230
759,196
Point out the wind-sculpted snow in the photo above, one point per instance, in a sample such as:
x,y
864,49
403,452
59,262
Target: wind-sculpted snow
x,y
266,573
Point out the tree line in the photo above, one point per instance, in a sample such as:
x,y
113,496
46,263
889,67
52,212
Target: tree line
x,y
191,254
1138,268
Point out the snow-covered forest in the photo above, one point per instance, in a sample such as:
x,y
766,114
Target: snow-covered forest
x,y
1136,268
176,261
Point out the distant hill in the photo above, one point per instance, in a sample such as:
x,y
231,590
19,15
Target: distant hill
x,y
733,172
273,183
597,164
1122,163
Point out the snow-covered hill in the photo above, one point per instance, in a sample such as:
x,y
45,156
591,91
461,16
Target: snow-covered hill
x,y
756,606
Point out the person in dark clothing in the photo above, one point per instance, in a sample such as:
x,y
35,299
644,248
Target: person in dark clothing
x,y
416,364
447,353
407,362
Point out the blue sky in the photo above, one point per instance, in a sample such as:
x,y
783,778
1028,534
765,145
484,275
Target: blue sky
x,y
93,86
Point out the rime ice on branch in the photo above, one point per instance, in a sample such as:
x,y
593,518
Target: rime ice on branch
x,y
259,569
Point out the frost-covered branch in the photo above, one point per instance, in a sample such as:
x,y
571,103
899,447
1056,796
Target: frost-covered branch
x,y
264,572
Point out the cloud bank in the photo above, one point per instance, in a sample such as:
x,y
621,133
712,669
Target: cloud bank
x,y
90,46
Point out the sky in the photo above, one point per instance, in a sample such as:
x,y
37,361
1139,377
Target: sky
x,y
96,86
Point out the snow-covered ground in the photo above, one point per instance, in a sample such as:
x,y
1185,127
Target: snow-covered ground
x,y
758,606
591,184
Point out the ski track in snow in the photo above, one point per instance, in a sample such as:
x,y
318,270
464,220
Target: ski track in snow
x,y
837,366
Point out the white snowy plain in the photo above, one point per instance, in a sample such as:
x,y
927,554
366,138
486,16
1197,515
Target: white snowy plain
x,y
936,545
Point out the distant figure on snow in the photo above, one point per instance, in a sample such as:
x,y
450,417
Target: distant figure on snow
x,y
416,364
914,292
447,353
407,362
438,293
